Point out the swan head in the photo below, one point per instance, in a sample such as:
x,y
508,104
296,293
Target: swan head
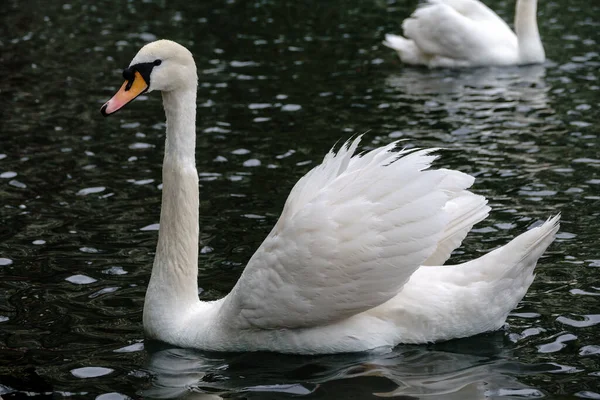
x,y
161,65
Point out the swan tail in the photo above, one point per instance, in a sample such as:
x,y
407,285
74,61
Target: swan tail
x,y
507,271
407,49
521,254
465,210
473,297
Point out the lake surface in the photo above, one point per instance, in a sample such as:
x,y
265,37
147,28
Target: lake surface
x,y
280,83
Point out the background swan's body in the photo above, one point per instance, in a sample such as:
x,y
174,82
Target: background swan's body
x,y
466,33
348,266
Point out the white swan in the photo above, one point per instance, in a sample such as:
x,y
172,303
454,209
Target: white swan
x,y
349,266
466,33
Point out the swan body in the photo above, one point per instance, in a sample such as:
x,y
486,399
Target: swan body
x,y
466,33
353,263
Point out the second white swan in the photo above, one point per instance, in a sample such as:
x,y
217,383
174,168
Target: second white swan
x,y
466,33
354,261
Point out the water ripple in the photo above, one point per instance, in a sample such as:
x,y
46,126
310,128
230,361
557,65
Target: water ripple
x,y
279,84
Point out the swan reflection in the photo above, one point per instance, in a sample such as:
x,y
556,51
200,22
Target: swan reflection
x,y
519,83
489,113
478,98
453,370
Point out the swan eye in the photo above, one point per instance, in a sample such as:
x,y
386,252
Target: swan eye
x,y
128,74
157,62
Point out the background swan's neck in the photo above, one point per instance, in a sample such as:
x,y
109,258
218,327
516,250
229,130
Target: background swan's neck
x,y
173,286
531,49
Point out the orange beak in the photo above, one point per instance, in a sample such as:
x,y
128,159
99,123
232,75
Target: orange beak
x,y
128,91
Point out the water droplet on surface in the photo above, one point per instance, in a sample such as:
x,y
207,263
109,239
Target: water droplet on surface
x,y
147,36
80,279
259,106
240,152
131,348
586,394
286,154
583,292
565,235
8,174
253,216
103,291
143,182
588,320
89,250
17,184
586,160
580,124
216,129
91,190
525,315
151,227
240,64
557,345
115,270
140,146
130,125
594,263
291,107
589,350
91,372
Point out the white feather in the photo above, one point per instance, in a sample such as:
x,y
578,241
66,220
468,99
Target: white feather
x,y
352,233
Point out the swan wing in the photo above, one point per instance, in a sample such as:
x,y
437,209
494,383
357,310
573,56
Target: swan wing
x,y
458,29
351,234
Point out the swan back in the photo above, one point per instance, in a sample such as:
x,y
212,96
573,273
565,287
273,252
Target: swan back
x,y
472,9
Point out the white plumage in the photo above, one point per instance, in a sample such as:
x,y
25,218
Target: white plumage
x,y
349,266
466,33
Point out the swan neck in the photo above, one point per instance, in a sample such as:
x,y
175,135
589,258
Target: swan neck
x,y
180,111
173,284
531,49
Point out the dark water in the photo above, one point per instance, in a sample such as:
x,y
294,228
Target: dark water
x,y
280,82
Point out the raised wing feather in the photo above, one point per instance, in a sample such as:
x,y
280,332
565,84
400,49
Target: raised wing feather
x,y
351,234
465,210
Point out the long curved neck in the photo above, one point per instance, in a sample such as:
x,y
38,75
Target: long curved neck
x,y
531,49
173,286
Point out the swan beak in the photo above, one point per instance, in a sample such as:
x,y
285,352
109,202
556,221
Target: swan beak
x,y
128,91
